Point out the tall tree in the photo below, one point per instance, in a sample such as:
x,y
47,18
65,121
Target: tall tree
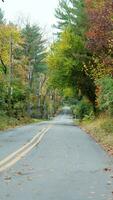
x,y
35,52
34,47
71,13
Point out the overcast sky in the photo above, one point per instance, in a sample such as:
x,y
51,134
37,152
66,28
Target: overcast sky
x,y
39,11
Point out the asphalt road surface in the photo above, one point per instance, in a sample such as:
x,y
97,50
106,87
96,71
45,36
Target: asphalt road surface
x,y
67,164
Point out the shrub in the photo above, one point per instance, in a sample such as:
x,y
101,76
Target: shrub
x,y
83,109
105,94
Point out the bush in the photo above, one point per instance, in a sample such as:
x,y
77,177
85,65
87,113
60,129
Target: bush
x,y
83,109
105,94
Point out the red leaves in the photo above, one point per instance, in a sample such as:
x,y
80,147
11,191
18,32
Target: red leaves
x,y
101,25
100,33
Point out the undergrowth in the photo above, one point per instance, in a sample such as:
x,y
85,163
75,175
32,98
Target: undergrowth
x,y
101,128
7,122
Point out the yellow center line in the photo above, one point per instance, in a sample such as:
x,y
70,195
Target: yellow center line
x,y
20,153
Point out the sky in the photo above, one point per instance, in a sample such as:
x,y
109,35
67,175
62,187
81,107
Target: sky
x,y
37,11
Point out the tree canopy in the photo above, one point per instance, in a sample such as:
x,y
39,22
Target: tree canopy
x,y
83,50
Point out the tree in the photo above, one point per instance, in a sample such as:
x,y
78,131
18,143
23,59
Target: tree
x,y
66,64
10,41
72,13
34,48
99,35
69,55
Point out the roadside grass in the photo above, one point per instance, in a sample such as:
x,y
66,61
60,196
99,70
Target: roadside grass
x,y
101,129
11,122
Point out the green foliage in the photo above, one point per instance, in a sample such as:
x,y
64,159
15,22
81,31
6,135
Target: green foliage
x,y
72,14
82,52
34,44
23,80
66,64
105,94
83,109
7,122
64,60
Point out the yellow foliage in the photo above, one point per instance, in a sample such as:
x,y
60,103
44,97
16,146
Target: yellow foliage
x,y
6,33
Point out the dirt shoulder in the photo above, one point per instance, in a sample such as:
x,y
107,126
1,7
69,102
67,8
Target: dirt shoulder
x,y
101,129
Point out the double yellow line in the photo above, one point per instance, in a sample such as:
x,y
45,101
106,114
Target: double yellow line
x,y
20,153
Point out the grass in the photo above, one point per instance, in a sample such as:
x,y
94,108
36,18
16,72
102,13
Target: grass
x,y
11,122
101,129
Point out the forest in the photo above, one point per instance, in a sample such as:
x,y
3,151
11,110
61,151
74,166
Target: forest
x,y
80,63
56,100
81,59
75,69
24,90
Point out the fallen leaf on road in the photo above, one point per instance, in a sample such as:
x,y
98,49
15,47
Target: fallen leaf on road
x,y
19,173
7,178
107,169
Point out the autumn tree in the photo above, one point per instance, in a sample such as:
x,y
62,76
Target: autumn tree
x,y
99,35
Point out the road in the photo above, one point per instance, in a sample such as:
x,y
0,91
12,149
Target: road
x,y
67,164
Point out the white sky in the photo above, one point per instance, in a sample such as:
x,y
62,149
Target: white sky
x,y
39,11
